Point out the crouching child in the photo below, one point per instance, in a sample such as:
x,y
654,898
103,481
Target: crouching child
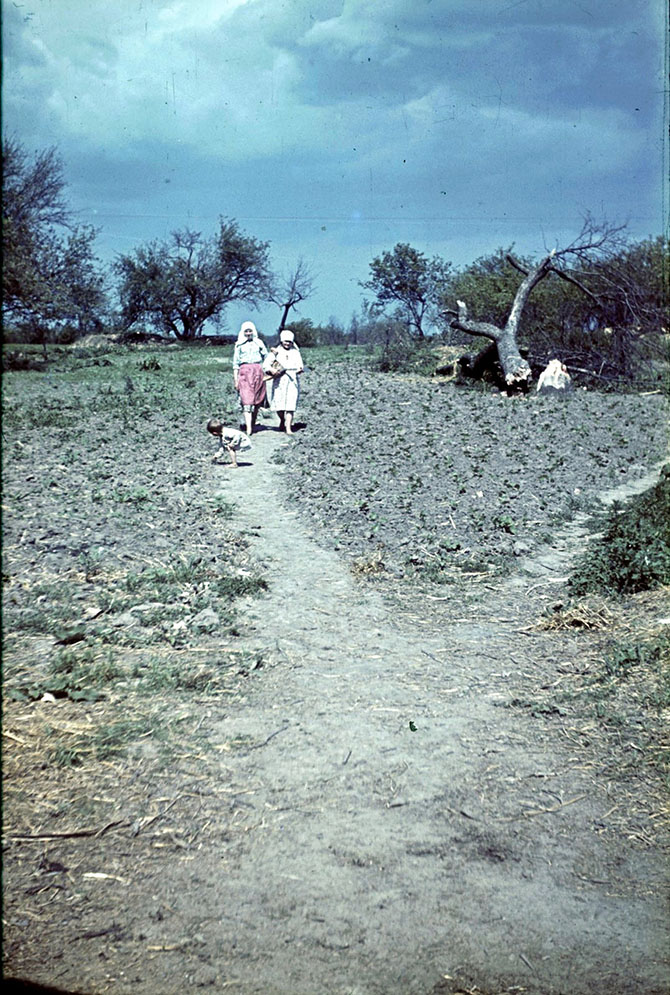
x,y
231,440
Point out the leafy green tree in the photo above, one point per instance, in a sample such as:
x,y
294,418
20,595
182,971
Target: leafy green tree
x,y
178,285
50,275
408,282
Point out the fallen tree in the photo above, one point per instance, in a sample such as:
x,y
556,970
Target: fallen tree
x,y
596,239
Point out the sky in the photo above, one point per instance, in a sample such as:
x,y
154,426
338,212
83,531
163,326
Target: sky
x,y
334,129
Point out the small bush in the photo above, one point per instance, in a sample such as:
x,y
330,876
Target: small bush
x,y
21,361
407,355
633,553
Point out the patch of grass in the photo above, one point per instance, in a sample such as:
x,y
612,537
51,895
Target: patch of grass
x,y
105,742
195,570
45,615
222,506
626,689
77,674
633,553
448,563
161,674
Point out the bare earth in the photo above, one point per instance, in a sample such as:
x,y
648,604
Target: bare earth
x,y
375,813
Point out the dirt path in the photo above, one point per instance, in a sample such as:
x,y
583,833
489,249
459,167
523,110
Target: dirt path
x,y
410,835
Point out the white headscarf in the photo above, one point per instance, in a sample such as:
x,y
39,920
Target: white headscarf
x,y
246,325
286,335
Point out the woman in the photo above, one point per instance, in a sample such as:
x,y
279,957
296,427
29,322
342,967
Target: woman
x,y
285,389
250,351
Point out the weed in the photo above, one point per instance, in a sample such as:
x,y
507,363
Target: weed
x,y
505,523
222,506
103,743
404,355
150,364
92,563
137,495
633,553
370,565
234,586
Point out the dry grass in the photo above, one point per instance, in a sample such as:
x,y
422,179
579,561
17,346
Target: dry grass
x,y
587,613
368,566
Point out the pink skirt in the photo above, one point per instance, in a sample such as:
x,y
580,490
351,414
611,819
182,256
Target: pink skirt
x,y
251,383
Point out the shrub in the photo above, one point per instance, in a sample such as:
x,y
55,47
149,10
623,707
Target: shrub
x,y
407,355
633,553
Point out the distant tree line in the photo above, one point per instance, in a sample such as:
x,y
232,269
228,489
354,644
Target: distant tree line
x,y
601,301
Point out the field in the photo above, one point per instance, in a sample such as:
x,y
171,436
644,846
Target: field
x,y
331,722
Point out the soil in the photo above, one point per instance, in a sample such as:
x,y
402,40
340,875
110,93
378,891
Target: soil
x,y
385,796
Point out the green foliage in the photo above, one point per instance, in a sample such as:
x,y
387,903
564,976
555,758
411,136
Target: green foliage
x,y
610,321
75,673
50,277
633,553
620,660
165,583
178,285
407,281
222,506
488,286
403,354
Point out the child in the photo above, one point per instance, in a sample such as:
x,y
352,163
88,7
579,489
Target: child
x,y
230,440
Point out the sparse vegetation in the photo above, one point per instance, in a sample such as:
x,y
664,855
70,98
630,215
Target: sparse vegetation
x,y
633,552
137,714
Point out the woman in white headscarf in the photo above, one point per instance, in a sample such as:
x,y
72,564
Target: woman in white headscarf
x,y
248,377
285,388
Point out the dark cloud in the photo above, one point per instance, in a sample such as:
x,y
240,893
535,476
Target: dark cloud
x,y
336,129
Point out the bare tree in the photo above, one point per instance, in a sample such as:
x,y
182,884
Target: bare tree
x,y
596,239
297,286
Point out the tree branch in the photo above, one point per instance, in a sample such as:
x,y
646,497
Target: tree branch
x,y
465,324
553,269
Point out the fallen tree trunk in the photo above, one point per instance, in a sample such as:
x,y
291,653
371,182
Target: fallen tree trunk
x,y
516,369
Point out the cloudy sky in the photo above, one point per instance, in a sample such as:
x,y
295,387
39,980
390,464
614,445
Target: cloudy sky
x,y
336,128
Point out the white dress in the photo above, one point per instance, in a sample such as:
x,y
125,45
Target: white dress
x,y
285,389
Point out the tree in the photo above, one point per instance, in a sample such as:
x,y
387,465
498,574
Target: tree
x,y
297,286
632,290
489,285
596,241
406,278
50,275
178,285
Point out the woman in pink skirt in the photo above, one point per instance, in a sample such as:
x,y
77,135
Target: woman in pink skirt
x,y
248,374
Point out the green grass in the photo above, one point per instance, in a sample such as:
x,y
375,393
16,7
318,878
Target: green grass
x,y
633,552
107,741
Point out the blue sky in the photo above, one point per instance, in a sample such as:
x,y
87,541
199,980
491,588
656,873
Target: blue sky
x,y
335,129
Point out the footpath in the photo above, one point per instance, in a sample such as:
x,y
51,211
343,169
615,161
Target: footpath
x,y
411,835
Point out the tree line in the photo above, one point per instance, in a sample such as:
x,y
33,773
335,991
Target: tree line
x,y
602,294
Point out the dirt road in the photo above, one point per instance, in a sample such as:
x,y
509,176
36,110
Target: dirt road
x,y
411,835
394,802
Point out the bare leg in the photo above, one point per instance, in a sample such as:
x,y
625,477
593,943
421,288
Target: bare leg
x,y
288,422
248,422
233,456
